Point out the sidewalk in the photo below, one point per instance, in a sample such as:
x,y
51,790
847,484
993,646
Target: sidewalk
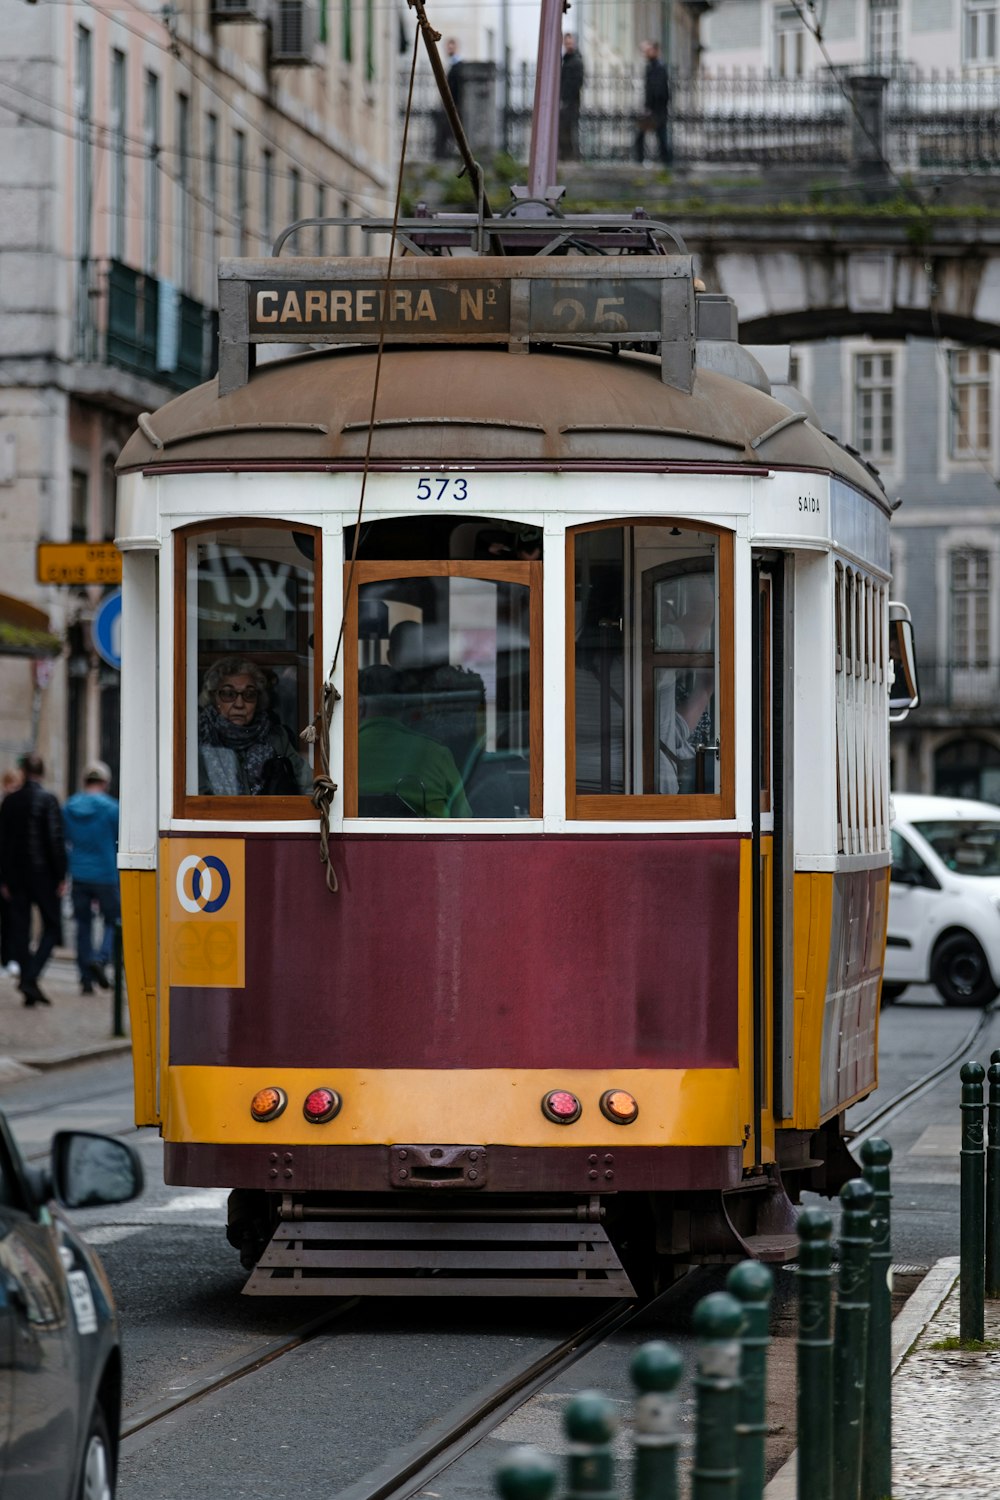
x,y
73,1028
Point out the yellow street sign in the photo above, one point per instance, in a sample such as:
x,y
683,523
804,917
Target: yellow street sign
x,y
79,562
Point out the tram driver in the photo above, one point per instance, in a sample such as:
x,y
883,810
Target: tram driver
x,y
243,747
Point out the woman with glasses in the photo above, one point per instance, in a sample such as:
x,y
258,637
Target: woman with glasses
x,y
243,748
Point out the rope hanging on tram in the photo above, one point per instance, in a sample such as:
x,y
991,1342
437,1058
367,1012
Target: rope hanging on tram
x,y
318,732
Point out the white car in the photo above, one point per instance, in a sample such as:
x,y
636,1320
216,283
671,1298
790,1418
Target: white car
x,y
944,900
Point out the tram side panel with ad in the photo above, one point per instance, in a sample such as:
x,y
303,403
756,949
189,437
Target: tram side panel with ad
x,y
551,960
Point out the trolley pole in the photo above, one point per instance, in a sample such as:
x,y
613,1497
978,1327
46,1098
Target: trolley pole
x,y
971,1285
850,1348
752,1283
718,1320
876,1463
815,1356
993,1180
656,1370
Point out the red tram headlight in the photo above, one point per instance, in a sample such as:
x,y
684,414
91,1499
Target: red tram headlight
x,y
321,1105
619,1106
561,1107
268,1104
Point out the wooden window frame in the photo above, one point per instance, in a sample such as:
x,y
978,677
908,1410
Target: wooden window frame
x,y
529,574
236,809
659,806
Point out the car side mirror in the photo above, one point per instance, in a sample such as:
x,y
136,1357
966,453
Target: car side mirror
x,y
90,1170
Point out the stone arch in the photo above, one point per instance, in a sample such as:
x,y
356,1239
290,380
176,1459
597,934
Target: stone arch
x,y
968,765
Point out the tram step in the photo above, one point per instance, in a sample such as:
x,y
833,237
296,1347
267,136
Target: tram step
x,y
775,1248
321,1258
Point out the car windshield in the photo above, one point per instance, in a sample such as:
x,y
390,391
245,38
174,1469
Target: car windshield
x,y
965,847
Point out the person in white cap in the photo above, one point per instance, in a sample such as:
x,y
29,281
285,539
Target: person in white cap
x,y
91,819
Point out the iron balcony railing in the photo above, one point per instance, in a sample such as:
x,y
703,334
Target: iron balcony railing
x,y
930,121
156,331
962,686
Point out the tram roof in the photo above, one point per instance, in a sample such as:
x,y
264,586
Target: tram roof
x,y
445,405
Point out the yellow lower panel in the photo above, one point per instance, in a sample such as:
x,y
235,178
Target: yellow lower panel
x,y
677,1107
138,895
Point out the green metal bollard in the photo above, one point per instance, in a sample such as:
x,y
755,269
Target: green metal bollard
x,y
815,1356
972,1265
718,1321
590,1424
850,1337
993,1180
752,1283
526,1474
118,1014
876,1460
656,1370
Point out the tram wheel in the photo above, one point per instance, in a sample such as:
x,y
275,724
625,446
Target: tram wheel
x,y
97,1480
960,971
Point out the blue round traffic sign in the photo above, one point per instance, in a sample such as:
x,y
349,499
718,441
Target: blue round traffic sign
x,y
106,631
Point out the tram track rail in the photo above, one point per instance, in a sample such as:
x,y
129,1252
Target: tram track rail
x,y
915,1090
414,1463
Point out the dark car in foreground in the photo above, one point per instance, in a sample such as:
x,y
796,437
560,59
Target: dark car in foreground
x,y
60,1360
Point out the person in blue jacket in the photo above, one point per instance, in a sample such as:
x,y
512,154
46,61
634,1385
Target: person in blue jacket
x,y
91,821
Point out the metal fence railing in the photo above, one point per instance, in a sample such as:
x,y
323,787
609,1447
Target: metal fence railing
x,y
959,685
930,121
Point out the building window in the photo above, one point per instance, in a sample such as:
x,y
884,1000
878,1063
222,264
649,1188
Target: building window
x,y
84,207
79,506
970,608
267,199
151,141
347,30
211,186
294,206
874,405
370,41
651,732
119,157
980,31
247,595
969,403
320,214
789,43
182,262
240,190
883,32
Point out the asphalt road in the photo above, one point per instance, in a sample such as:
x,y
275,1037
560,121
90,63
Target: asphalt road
x,y
326,1415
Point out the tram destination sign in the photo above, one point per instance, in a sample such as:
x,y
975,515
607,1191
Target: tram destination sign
x,y
517,301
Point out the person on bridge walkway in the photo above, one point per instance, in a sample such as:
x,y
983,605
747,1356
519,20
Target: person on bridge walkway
x,y
571,78
656,104
91,818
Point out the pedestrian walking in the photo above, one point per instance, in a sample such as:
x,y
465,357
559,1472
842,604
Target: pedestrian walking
x,y
571,79
91,819
656,106
9,782
32,874
444,139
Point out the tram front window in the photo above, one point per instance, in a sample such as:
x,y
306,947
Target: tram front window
x,y
250,679
443,696
649,674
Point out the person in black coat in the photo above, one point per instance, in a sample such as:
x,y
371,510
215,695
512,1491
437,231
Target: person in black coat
x,y
571,78
32,873
656,103
443,138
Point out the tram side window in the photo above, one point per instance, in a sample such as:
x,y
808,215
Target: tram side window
x,y
250,684
649,675
443,701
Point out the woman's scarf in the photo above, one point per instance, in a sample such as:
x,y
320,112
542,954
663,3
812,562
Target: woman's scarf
x,y
227,748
